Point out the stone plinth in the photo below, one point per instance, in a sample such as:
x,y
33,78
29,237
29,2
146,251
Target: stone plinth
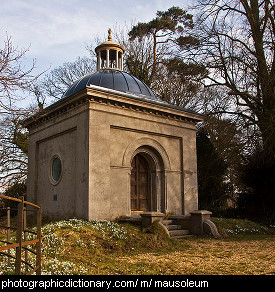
x,y
147,218
197,219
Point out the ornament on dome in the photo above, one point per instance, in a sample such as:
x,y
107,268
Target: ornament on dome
x,y
109,54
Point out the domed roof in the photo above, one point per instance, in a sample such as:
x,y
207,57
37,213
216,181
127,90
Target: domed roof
x,y
113,79
109,44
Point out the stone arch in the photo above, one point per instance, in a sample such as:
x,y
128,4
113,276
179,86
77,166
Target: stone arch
x,y
159,163
149,143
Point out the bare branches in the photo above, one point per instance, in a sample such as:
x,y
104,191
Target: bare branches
x,y
237,46
58,80
13,75
13,150
13,138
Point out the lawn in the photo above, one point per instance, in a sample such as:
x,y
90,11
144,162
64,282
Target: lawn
x,y
103,248
204,256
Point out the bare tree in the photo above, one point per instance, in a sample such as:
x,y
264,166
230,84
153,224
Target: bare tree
x,y
14,78
58,80
13,75
14,150
237,41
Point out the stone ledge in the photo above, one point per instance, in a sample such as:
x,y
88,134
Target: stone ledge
x,y
201,212
147,218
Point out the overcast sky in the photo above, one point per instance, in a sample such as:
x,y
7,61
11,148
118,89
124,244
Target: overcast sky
x,y
58,30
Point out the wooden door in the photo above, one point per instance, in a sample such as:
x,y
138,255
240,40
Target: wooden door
x,y
140,184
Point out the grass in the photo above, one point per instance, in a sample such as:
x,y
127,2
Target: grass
x,y
100,248
238,226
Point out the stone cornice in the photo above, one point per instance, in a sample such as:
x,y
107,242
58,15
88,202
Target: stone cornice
x,y
113,98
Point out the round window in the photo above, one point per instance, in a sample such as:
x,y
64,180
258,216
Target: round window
x,y
56,169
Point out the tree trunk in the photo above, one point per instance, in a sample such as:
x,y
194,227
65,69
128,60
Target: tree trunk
x,y
154,67
267,125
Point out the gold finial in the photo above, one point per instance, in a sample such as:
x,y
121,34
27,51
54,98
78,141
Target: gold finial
x,y
109,34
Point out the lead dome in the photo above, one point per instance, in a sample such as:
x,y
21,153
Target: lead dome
x,y
110,73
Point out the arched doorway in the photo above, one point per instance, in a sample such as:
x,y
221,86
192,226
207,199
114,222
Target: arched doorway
x,y
141,190
155,168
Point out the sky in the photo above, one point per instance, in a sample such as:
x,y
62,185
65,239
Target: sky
x,y
57,31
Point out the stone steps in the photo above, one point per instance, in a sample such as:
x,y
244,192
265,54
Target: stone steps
x,y
173,227
175,231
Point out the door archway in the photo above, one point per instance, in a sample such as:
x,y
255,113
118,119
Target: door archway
x,y
141,191
147,181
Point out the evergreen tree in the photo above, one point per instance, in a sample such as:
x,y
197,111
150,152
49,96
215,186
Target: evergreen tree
x,y
162,29
212,186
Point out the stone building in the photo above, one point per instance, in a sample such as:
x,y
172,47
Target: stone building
x,y
111,148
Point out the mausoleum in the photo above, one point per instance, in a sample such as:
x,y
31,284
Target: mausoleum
x,y
111,148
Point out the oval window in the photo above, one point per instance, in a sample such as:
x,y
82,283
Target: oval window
x,y
56,169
